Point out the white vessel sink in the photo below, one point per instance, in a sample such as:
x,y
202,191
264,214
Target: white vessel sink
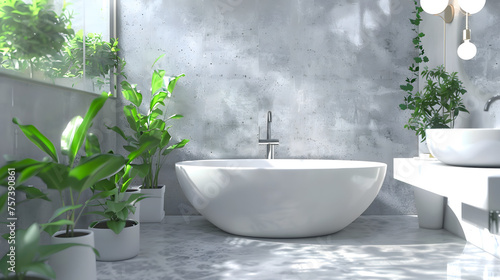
x,y
475,147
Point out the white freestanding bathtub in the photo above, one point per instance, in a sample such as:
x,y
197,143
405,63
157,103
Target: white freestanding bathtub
x,y
280,198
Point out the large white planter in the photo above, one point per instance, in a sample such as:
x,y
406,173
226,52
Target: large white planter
x,y
116,247
152,208
75,263
430,209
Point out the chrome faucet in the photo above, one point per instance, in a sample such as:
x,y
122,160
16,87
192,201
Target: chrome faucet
x,y
488,103
269,142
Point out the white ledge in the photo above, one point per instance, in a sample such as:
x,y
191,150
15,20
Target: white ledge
x,y
478,187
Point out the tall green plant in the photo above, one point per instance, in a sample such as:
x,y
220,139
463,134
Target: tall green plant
x,y
69,176
151,124
31,34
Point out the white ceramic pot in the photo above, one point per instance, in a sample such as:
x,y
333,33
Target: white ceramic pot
x,y
75,263
117,247
134,216
430,209
152,207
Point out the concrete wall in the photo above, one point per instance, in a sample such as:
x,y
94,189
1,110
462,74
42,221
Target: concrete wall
x,y
328,70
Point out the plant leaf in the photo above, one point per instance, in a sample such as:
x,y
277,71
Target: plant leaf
x,y
79,137
92,145
69,134
35,136
98,167
173,82
116,226
156,83
131,93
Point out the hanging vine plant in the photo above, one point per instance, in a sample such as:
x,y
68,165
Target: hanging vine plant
x,y
409,87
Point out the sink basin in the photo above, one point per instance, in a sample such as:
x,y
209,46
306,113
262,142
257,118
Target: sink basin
x,y
475,147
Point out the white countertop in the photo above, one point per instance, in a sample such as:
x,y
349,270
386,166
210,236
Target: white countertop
x,y
478,187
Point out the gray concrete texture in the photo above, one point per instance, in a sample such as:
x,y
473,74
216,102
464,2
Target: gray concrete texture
x,y
328,70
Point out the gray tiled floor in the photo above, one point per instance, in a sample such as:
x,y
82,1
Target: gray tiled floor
x,y
373,247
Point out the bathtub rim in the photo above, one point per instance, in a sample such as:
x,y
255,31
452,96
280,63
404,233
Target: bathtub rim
x,y
212,163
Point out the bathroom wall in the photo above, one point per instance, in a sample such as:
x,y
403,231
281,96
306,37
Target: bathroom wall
x,y
49,108
328,70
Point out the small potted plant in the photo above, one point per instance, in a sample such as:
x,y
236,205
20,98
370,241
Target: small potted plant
x,y
438,104
117,236
147,126
70,178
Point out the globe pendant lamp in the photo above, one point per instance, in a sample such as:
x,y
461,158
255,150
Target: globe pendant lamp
x,y
471,6
434,7
467,50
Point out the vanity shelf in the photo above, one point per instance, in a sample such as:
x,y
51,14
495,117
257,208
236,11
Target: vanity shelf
x,y
470,198
477,187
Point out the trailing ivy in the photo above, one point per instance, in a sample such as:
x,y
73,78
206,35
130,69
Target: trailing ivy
x,y
414,68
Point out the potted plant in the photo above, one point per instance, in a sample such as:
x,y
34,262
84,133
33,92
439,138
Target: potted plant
x,y
31,34
438,104
147,126
117,236
70,178
30,256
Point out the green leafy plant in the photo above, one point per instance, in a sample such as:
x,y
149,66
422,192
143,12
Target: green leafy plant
x,y
150,125
97,56
31,34
438,104
69,176
116,208
110,194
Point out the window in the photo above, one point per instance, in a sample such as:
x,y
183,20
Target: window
x,y
67,43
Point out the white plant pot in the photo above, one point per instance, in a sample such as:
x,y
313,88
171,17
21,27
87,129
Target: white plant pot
x,y
134,216
117,247
430,209
75,263
152,207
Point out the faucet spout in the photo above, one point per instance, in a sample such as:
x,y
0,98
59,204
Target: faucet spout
x,y
269,141
488,103
269,120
